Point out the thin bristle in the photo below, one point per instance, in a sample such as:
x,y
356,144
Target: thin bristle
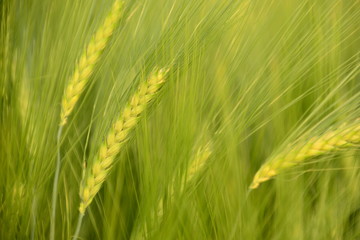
x,y
88,59
118,135
345,136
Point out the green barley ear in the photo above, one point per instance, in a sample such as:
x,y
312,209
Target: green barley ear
x,y
88,59
119,134
196,166
347,135
198,161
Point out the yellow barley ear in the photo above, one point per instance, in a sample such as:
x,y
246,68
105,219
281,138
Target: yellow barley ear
x,y
118,135
88,59
347,135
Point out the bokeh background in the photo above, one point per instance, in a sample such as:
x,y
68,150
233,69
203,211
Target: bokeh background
x,y
251,76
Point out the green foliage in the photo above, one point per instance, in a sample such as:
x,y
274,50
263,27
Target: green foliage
x,y
250,76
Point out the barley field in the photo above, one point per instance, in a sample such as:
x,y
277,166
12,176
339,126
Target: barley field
x,y
180,119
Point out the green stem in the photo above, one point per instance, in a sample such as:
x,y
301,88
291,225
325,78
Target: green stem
x,y
55,186
78,226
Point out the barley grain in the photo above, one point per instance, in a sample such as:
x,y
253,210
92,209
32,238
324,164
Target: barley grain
x,y
345,136
197,165
88,59
119,134
198,162
76,85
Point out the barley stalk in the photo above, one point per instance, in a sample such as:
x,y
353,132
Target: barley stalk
x,y
197,165
76,85
88,59
119,134
345,136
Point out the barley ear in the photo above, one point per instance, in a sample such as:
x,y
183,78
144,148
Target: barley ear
x,y
87,61
97,173
347,135
197,165
198,161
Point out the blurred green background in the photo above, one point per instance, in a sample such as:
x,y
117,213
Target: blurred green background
x,y
250,76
